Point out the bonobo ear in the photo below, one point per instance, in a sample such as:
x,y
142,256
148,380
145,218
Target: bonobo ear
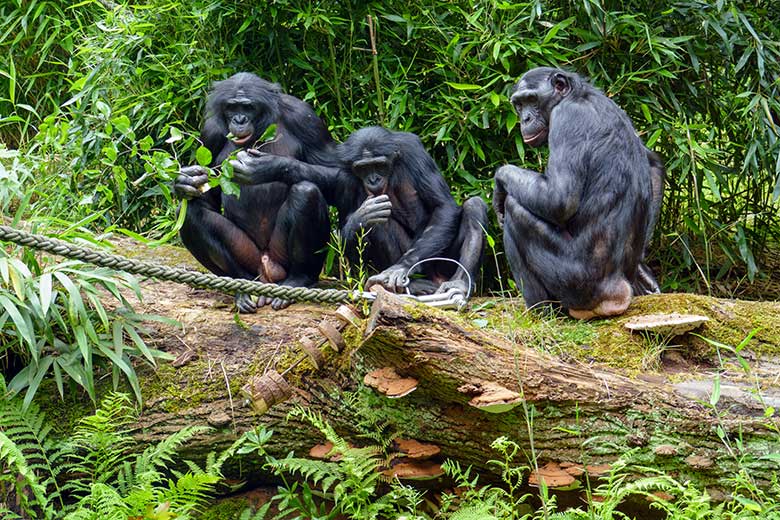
x,y
560,83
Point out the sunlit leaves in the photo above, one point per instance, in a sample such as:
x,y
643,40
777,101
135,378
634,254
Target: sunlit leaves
x,y
57,323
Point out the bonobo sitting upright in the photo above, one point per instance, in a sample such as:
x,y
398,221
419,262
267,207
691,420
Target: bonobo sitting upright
x,y
387,188
577,233
273,232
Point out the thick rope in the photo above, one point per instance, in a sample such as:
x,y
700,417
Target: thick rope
x,y
175,274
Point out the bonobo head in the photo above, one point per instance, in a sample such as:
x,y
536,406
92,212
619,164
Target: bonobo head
x,y
370,154
535,96
245,106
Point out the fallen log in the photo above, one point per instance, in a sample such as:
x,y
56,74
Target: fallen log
x,y
574,395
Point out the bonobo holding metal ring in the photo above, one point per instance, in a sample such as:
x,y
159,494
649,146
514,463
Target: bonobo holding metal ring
x,y
273,232
389,191
577,233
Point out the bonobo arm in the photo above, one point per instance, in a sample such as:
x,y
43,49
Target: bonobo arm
x,y
254,167
555,195
436,235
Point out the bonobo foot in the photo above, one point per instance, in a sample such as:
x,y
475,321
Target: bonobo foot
x,y
246,303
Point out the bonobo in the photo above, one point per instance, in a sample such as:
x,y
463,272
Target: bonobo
x,y
273,232
388,190
577,233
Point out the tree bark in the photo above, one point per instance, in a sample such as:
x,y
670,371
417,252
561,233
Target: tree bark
x,y
561,409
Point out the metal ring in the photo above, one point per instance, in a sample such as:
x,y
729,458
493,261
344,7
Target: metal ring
x,y
440,258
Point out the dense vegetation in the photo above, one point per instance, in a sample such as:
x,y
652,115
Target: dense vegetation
x,y
101,101
104,99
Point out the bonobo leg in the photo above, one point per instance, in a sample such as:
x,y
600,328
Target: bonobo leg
x,y
468,247
534,291
299,239
553,264
221,246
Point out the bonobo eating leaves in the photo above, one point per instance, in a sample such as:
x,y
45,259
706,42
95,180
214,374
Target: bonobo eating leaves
x,y
273,232
577,233
391,196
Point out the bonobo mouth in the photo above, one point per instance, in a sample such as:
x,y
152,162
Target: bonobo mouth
x,y
239,140
536,139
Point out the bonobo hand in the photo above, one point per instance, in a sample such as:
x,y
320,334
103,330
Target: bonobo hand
x,y
393,279
189,182
255,167
374,210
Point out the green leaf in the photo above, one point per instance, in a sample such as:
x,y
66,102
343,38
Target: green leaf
x,y
203,156
463,86
146,143
44,286
43,369
269,134
22,327
715,396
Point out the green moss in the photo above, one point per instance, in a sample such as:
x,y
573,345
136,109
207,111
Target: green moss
x,y
610,343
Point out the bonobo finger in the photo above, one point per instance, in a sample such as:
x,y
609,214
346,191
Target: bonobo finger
x,y
255,152
186,191
279,304
192,180
193,171
245,303
377,199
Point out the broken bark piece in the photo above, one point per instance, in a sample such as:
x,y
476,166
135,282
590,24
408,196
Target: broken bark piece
x,y
266,390
387,381
312,350
348,316
415,470
553,475
672,324
491,397
335,338
416,450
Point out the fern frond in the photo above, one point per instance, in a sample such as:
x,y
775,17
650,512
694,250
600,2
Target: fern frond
x,y
102,503
311,470
474,512
28,430
14,458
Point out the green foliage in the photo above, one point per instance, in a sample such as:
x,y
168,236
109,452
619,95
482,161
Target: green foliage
x,y
55,322
107,98
102,478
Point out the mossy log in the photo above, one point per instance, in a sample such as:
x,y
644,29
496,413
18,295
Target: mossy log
x,y
571,393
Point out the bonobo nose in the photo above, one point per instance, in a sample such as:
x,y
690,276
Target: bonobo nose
x,y
240,119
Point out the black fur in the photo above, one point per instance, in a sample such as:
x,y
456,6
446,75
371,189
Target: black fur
x,y
285,225
412,219
577,233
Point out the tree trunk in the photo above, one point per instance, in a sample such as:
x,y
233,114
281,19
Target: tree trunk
x,y
570,393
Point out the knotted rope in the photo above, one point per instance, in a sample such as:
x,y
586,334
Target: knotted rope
x,y
175,274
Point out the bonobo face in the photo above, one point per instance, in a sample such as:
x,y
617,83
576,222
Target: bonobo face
x,y
241,115
374,171
534,97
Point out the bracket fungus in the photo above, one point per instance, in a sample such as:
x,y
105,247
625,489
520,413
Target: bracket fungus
x,y
416,450
672,324
491,397
387,381
415,470
553,475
